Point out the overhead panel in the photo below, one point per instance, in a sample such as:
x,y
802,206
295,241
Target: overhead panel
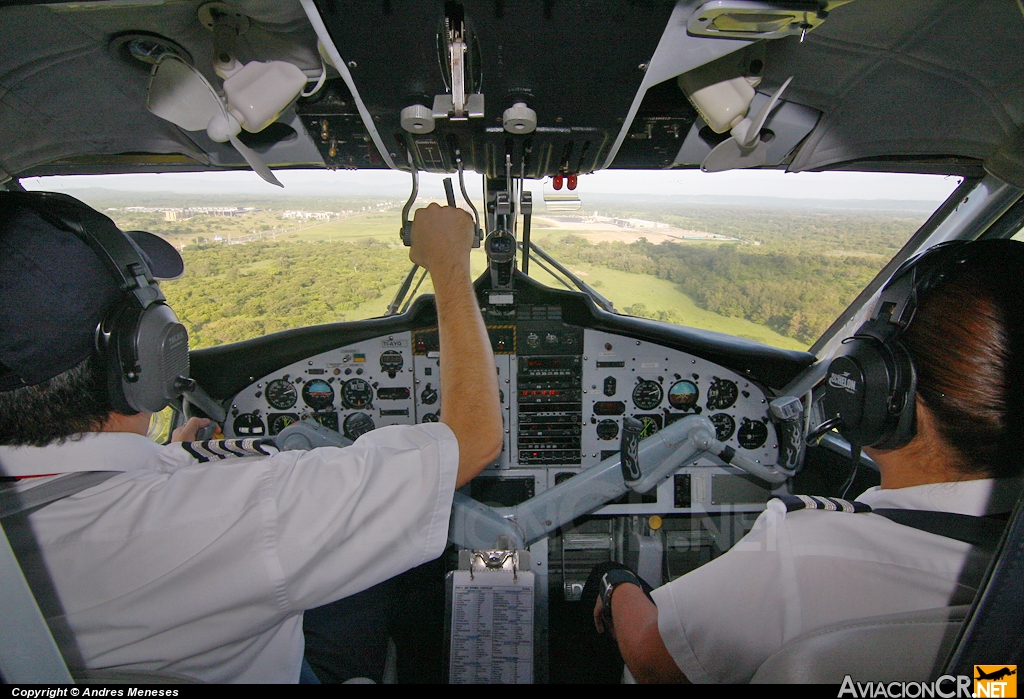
x,y
577,64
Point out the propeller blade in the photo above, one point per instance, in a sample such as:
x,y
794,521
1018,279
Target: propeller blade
x,y
753,131
180,94
258,166
730,155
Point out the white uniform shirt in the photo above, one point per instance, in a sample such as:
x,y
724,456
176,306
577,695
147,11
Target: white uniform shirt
x,y
204,569
800,571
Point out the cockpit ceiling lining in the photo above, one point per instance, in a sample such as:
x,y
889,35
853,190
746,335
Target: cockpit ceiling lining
x,y
910,81
63,95
912,78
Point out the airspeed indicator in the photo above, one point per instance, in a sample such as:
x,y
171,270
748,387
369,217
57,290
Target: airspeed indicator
x,y
281,394
647,395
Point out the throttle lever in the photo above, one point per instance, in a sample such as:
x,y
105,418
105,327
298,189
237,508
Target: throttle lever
x,y
629,449
449,192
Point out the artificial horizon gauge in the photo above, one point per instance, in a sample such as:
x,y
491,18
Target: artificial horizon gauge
x,y
647,395
318,394
752,434
356,393
683,395
724,426
722,394
281,394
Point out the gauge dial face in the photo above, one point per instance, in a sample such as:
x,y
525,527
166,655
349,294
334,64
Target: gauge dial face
x,y
752,434
647,395
432,417
281,394
607,429
683,395
391,362
249,425
722,394
650,424
318,394
356,393
356,425
724,426
278,421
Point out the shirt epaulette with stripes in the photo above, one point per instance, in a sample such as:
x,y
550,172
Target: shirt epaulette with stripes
x,y
214,449
818,502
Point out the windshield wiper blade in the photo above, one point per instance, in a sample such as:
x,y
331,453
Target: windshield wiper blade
x,y
601,301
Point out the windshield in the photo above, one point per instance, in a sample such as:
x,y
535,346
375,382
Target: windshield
x,y
757,254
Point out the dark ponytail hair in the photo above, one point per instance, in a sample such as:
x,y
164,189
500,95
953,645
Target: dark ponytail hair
x,y
965,340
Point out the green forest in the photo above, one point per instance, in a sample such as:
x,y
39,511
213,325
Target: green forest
x,y
790,272
235,292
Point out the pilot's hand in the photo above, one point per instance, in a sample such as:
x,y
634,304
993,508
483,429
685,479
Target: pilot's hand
x,y
603,619
441,240
188,431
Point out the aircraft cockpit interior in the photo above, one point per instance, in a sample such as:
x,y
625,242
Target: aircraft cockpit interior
x,y
626,439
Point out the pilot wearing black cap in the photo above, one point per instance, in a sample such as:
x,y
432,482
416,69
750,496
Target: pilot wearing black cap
x,y
201,563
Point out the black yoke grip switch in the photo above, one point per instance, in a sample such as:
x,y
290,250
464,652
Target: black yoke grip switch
x,y
629,450
449,191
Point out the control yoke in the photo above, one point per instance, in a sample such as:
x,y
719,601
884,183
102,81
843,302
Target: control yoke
x,y
640,466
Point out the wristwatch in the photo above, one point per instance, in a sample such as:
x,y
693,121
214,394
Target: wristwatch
x,y
611,580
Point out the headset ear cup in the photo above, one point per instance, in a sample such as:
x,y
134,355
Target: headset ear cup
x,y
111,339
902,403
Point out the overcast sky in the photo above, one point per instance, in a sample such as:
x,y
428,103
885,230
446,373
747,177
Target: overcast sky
x,y
759,183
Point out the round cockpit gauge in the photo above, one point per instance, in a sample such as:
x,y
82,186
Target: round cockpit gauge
x,y
281,394
722,394
649,425
391,362
647,395
356,425
752,434
278,421
724,426
432,417
249,425
607,429
683,395
356,393
318,394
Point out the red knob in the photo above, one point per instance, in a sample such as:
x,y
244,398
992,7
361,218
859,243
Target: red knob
x,y
556,181
572,181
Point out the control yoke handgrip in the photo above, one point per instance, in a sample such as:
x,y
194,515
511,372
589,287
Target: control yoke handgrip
x,y
629,449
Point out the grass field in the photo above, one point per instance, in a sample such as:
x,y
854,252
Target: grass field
x,y
621,288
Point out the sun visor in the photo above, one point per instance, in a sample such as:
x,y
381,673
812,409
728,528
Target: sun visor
x,y
164,261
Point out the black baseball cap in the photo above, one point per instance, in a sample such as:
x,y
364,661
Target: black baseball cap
x,y
54,289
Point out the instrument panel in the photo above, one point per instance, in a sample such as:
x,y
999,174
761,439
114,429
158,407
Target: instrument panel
x,y
564,390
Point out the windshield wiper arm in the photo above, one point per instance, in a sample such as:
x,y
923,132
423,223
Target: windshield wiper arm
x,y
601,301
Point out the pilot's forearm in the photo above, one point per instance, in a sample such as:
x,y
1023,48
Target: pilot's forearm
x,y
469,385
640,643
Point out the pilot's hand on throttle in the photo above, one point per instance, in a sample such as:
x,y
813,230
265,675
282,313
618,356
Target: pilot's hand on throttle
x,y
603,619
189,431
441,240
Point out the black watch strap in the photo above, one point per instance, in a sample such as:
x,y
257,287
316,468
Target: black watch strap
x,y
614,578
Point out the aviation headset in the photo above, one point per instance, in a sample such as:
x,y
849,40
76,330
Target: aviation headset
x,y
871,384
142,346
